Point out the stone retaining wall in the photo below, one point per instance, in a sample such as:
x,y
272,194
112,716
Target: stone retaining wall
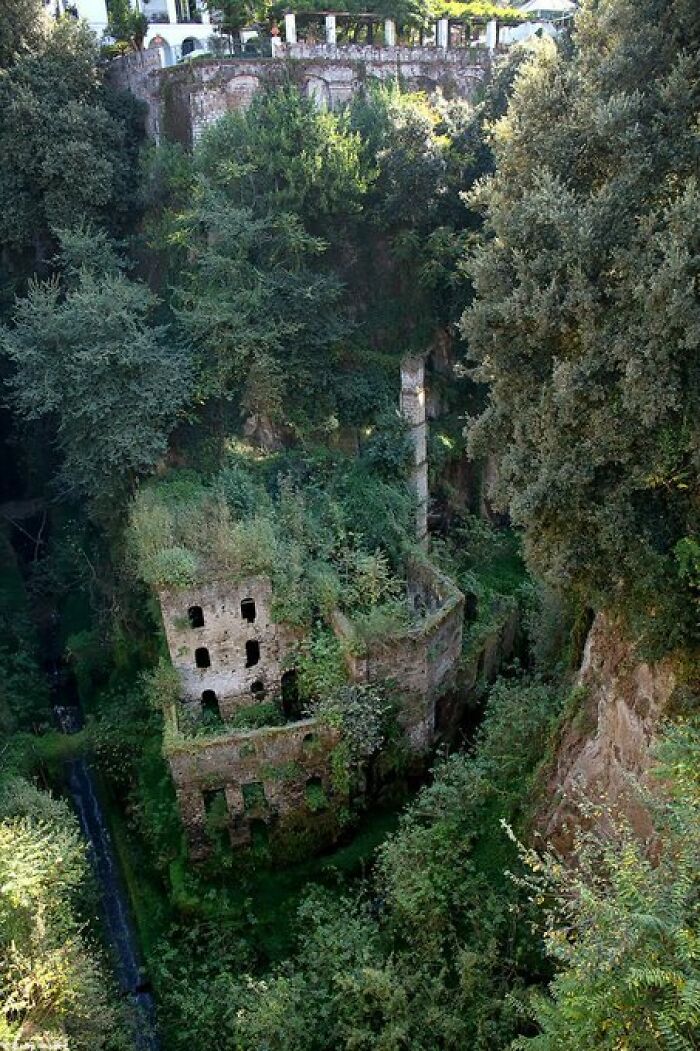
x,y
138,72
184,100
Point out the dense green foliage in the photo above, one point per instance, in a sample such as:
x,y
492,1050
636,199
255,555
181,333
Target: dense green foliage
x,y
422,960
23,691
68,145
21,30
126,24
215,394
87,356
586,321
623,924
53,984
325,530
304,269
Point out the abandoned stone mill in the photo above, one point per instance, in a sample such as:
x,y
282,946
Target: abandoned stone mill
x,y
275,782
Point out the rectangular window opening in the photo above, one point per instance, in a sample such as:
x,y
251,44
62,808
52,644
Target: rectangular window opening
x,y
202,658
252,653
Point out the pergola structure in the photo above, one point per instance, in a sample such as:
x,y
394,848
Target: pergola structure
x,y
448,32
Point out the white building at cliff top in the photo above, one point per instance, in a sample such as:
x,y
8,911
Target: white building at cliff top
x,y
179,27
184,27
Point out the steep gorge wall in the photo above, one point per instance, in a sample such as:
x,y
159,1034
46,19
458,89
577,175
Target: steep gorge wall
x,y
605,750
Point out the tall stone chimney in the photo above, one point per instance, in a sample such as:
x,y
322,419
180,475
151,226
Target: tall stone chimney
x,y
413,410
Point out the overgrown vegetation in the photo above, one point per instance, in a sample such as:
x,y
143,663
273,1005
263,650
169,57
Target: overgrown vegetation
x,y
326,530
425,957
585,321
201,370
54,984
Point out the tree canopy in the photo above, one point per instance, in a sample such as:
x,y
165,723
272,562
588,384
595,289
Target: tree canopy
x,y
54,984
22,30
68,145
586,325
88,357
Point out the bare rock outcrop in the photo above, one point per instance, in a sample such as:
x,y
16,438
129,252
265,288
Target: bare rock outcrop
x,y
604,751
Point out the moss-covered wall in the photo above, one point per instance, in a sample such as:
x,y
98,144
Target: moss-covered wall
x,y
280,777
423,660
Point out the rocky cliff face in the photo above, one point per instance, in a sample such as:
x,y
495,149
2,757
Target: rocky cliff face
x,y
605,748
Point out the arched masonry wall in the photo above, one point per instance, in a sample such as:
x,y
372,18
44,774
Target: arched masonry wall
x,y
187,98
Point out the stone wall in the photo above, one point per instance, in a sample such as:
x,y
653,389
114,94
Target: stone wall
x,y
138,72
484,654
413,409
276,778
422,661
264,776
184,100
225,609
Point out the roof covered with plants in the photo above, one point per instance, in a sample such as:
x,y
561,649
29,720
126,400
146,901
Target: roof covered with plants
x,y
330,531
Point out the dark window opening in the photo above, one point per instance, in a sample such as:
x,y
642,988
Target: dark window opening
x,y
216,810
291,704
315,794
309,738
259,834
253,796
201,657
258,690
210,703
195,617
248,610
214,799
252,653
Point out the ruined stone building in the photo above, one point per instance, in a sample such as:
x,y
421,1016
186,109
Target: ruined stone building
x,y
226,647
230,654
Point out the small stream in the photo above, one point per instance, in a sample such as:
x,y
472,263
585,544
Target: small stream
x,y
116,915
29,535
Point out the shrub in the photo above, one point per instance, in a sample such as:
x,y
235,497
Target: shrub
x,y
320,665
266,713
362,713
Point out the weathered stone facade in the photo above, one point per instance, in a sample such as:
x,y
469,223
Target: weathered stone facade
x,y
272,777
413,410
422,661
184,100
263,777
139,73
605,750
229,625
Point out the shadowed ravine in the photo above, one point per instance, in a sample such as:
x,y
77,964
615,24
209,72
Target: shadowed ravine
x,y
116,916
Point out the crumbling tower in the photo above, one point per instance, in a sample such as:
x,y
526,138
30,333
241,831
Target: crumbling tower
x,y
413,410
